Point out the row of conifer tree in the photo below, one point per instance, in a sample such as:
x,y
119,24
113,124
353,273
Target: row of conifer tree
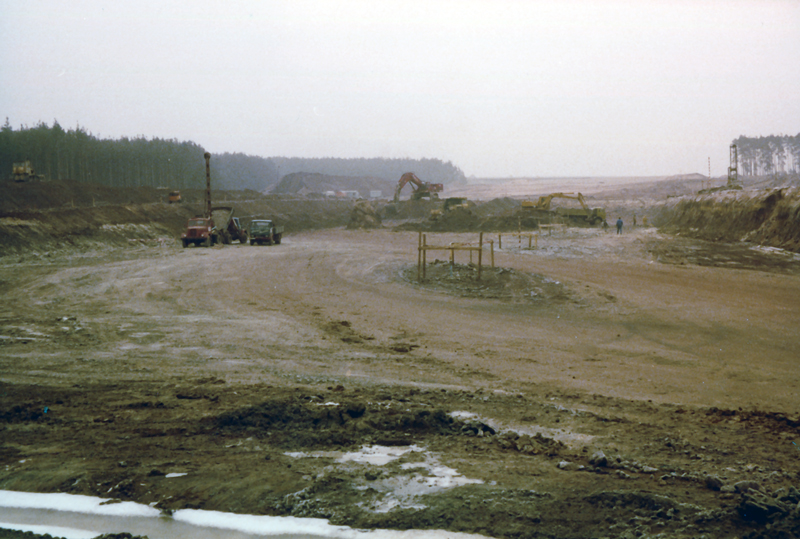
x,y
76,154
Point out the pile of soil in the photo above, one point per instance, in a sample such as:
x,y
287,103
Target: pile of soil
x,y
364,216
495,283
410,209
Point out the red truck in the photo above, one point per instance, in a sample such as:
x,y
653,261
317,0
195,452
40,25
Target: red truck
x,y
221,227
199,231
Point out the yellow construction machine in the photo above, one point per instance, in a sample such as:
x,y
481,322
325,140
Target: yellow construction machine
x,y
23,172
592,216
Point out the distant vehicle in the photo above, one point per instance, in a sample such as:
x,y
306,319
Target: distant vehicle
x,y
221,227
24,172
265,231
174,197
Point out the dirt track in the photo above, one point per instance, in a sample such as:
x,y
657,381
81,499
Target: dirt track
x,y
217,362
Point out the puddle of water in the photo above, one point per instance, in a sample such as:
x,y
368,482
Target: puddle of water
x,y
378,455
84,517
404,491
399,491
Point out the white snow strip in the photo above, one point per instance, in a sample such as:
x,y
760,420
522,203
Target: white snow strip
x,y
259,524
311,528
171,475
75,503
314,527
54,531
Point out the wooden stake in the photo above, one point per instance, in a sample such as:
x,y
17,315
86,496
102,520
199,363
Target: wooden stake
x,y
480,254
424,254
419,257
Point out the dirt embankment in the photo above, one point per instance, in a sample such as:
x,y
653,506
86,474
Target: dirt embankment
x,y
770,217
52,216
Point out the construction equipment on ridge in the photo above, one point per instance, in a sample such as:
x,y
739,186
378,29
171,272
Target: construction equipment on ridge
x,y
592,216
421,189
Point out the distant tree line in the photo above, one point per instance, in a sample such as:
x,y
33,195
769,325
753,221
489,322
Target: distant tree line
x,y
76,154
764,156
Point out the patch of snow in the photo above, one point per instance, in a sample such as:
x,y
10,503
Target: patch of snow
x,y
54,531
207,521
77,503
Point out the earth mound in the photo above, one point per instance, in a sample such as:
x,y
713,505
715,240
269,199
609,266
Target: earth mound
x,y
495,283
770,217
364,216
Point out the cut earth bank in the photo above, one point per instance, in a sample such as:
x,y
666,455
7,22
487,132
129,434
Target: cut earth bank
x,y
598,386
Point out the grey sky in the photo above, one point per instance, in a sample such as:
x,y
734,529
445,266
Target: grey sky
x,y
499,88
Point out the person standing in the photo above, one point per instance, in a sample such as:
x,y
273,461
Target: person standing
x,y
619,225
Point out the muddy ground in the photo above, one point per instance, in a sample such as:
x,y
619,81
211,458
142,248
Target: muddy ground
x,y
642,385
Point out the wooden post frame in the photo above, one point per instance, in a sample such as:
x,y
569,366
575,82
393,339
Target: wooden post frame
x,y
533,239
423,248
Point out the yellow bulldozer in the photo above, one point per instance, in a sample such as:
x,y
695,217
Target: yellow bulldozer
x,y
23,172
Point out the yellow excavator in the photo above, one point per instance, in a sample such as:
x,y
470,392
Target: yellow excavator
x,y
420,189
592,216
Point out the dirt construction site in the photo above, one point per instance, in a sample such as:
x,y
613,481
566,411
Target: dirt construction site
x,y
590,385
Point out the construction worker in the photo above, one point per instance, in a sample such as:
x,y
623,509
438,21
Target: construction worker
x,y
619,225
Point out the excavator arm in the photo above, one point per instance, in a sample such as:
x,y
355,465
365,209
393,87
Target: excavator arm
x,y
408,177
544,201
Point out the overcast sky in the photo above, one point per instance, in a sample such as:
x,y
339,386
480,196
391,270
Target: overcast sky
x,y
500,88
